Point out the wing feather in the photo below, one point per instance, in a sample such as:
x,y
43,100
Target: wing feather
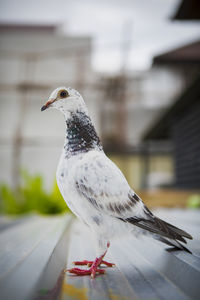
x,y
105,187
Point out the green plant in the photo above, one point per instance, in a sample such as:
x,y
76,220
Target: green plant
x,y
31,196
194,201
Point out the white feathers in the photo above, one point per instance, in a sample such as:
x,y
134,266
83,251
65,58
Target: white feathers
x,y
93,186
105,187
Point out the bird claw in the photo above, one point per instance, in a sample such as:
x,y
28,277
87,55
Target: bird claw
x,y
80,272
110,265
90,262
93,266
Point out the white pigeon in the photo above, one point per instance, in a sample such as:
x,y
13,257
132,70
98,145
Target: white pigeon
x,y
96,190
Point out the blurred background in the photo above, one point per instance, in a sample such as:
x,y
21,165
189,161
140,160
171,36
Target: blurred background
x,y
137,65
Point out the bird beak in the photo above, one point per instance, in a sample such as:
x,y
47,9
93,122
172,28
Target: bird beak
x,y
47,104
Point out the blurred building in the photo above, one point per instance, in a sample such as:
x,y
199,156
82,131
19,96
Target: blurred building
x,y
35,59
188,10
183,63
132,101
179,125
132,105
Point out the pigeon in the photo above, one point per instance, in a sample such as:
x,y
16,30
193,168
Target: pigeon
x,y
96,190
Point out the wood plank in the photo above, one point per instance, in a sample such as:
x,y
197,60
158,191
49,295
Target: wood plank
x,y
39,240
6,221
34,254
151,283
145,270
110,286
179,272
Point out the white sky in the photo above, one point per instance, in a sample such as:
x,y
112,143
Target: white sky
x,y
143,24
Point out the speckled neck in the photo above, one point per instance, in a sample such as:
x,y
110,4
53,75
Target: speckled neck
x,y
80,135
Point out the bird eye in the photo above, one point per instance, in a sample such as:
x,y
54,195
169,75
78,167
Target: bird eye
x,y
63,94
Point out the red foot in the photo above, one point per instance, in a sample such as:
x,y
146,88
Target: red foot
x,y
93,266
81,272
90,262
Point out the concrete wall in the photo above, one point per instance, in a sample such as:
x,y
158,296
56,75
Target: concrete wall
x,y
32,64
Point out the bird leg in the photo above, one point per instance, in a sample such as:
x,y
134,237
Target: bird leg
x,y
93,266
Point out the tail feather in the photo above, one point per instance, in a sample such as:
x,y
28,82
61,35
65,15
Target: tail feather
x,y
173,243
178,230
162,230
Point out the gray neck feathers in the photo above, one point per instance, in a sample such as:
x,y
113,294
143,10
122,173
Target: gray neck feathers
x,y
81,135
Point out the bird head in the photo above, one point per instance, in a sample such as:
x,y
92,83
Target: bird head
x,y
66,100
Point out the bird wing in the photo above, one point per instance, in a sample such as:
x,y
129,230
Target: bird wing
x,y
102,183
